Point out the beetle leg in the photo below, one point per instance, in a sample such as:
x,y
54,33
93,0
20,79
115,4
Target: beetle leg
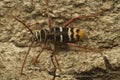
x,y
107,63
55,61
86,48
42,48
83,17
26,58
49,18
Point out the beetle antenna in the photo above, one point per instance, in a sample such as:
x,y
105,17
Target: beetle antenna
x,y
22,23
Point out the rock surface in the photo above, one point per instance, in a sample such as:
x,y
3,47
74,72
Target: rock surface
x,y
76,64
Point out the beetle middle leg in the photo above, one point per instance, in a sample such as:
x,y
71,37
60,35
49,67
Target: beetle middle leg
x,y
54,58
38,25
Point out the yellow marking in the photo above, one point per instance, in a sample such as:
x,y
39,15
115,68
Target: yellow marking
x,y
36,35
61,38
69,33
81,33
60,29
75,33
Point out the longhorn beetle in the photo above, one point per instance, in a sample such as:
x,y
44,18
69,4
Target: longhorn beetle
x,y
59,35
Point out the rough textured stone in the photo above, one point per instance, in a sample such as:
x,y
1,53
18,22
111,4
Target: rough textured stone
x,y
77,64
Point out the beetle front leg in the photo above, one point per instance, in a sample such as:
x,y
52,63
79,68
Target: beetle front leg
x,y
49,18
42,48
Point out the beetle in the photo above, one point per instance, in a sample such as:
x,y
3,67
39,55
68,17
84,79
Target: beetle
x,y
67,35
